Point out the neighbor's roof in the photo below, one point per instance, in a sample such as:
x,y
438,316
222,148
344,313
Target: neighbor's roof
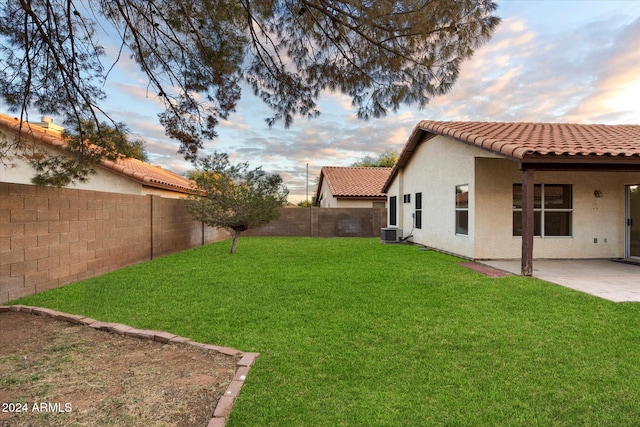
x,y
534,142
354,181
150,175
145,173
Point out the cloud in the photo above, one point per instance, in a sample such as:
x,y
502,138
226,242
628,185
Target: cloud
x,y
547,62
615,88
579,74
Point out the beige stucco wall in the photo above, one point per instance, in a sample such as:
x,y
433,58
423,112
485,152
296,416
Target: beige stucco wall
x,y
167,194
441,163
328,201
105,180
601,218
18,172
351,203
102,180
426,173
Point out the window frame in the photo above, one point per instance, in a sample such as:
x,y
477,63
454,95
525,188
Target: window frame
x,y
418,211
461,211
393,210
540,210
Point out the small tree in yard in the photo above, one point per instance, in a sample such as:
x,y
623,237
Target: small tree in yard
x,y
234,197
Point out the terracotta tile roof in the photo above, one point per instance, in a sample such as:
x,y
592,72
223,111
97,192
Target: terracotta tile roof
x,y
534,142
145,173
150,175
354,181
518,140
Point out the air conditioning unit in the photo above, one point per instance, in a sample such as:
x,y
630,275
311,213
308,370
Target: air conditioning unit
x,y
390,234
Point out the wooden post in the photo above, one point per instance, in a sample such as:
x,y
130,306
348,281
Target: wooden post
x,y
527,222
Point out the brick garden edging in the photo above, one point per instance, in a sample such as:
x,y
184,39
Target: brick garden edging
x,y
226,402
484,269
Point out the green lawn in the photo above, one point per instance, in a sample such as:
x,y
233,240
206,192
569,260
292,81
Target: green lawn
x,y
354,332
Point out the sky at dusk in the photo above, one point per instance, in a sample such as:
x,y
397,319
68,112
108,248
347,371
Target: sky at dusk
x,y
549,61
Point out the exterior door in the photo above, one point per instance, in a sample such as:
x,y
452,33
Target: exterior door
x,y
633,221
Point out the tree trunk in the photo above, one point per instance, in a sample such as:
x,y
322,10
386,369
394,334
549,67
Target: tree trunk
x,y
234,243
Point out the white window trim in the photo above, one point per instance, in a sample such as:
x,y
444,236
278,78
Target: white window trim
x,y
457,209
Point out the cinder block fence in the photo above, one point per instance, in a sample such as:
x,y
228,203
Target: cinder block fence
x,y
325,222
50,236
53,236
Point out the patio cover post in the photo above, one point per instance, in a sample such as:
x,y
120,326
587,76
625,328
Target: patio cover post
x,y
527,222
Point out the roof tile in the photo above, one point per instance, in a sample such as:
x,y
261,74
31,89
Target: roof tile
x,y
527,141
355,181
147,174
520,140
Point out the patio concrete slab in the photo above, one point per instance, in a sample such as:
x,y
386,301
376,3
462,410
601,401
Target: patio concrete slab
x,y
608,279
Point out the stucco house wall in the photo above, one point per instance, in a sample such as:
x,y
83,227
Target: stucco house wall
x,y
424,174
364,203
327,199
597,222
121,175
102,180
441,163
361,204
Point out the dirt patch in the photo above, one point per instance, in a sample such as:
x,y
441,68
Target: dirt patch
x,y
56,373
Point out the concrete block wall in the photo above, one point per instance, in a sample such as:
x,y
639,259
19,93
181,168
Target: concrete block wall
x,y
325,222
351,222
50,236
171,226
175,230
293,222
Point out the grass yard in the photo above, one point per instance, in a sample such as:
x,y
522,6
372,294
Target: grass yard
x,y
354,332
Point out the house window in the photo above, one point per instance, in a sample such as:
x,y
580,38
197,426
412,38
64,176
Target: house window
x,y
462,209
552,210
407,198
418,218
393,210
